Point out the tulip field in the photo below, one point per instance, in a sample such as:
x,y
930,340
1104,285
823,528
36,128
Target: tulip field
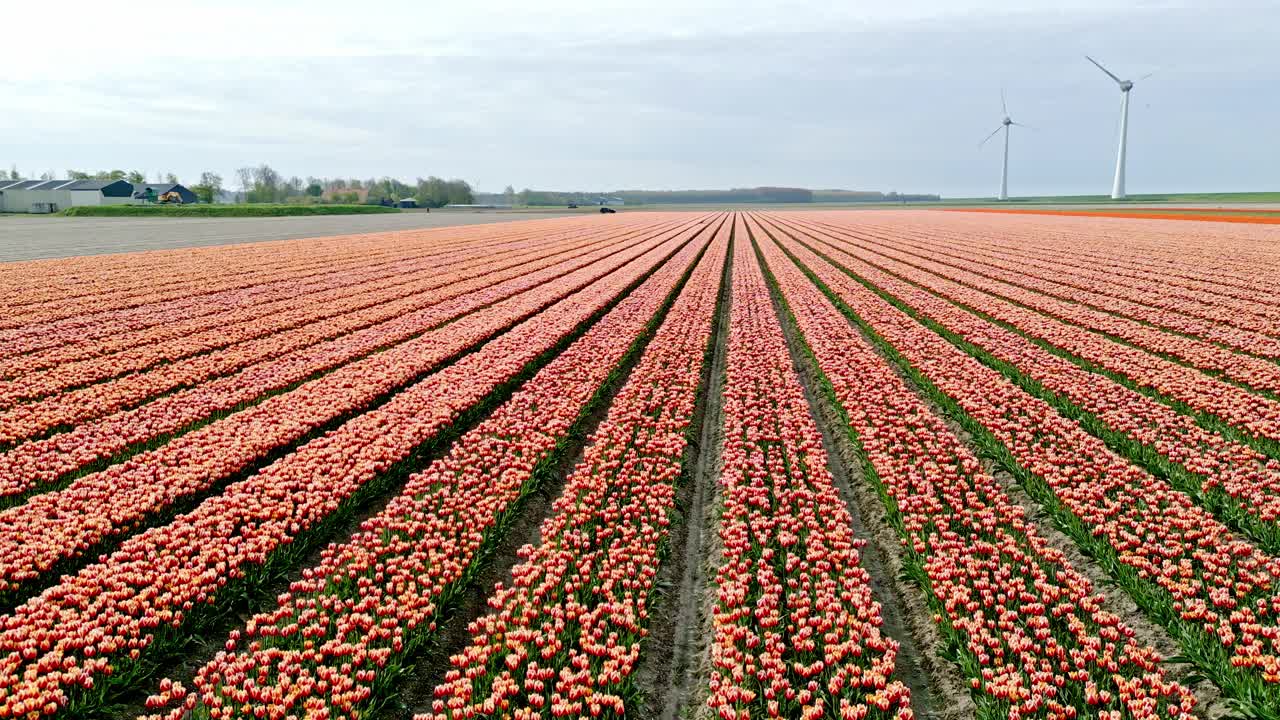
x,y
707,465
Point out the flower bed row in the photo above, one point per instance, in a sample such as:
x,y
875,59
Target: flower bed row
x,y
795,631
1239,483
1035,637
31,464
72,341
1248,413
71,407
191,279
280,306
1177,317
565,637
271,332
343,632
100,287
1168,290
1210,313
1202,256
78,640
55,527
1255,372
1216,592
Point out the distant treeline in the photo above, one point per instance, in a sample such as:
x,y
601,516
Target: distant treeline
x,y
700,197
262,184
870,196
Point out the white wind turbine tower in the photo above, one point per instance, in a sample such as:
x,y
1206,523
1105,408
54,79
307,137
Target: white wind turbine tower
x,y
1004,125
1117,188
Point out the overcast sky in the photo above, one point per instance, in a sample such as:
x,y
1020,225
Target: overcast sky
x,y
560,94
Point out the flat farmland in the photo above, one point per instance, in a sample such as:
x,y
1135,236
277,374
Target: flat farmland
x,y
769,464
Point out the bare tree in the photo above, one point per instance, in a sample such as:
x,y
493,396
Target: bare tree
x,y
245,174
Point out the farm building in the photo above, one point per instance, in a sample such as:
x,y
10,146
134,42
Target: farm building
x,y
152,191
53,195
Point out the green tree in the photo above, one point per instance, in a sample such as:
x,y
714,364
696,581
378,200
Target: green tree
x,y
209,187
266,185
171,178
78,175
136,177
458,192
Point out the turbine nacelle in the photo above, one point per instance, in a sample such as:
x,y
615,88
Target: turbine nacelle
x,y
1125,85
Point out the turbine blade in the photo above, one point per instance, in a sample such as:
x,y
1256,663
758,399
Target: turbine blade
x,y
1144,77
1003,105
993,134
1029,127
1108,72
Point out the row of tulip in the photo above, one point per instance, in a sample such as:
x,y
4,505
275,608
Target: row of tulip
x,y
1217,592
305,317
1254,372
279,285
104,424
99,295
74,406
56,527
343,631
199,309
1250,414
1227,323
1209,313
105,284
1230,256
795,629
1239,483
564,638
1037,640
1174,279
278,307
96,290
70,644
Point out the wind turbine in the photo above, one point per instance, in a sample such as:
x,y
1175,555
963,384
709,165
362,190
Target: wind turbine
x,y
1117,188
1004,125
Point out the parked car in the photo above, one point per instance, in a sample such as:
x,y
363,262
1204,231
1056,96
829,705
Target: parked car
x,y
608,210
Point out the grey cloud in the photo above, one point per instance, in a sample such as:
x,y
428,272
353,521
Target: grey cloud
x,y
887,105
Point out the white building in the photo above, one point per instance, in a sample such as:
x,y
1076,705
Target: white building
x,y
54,195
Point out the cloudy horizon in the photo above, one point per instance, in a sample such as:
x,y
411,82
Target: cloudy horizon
x,y
662,96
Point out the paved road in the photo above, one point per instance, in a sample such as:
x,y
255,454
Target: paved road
x,y
34,237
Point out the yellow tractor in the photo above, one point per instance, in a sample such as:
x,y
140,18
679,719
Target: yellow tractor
x,y
171,197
